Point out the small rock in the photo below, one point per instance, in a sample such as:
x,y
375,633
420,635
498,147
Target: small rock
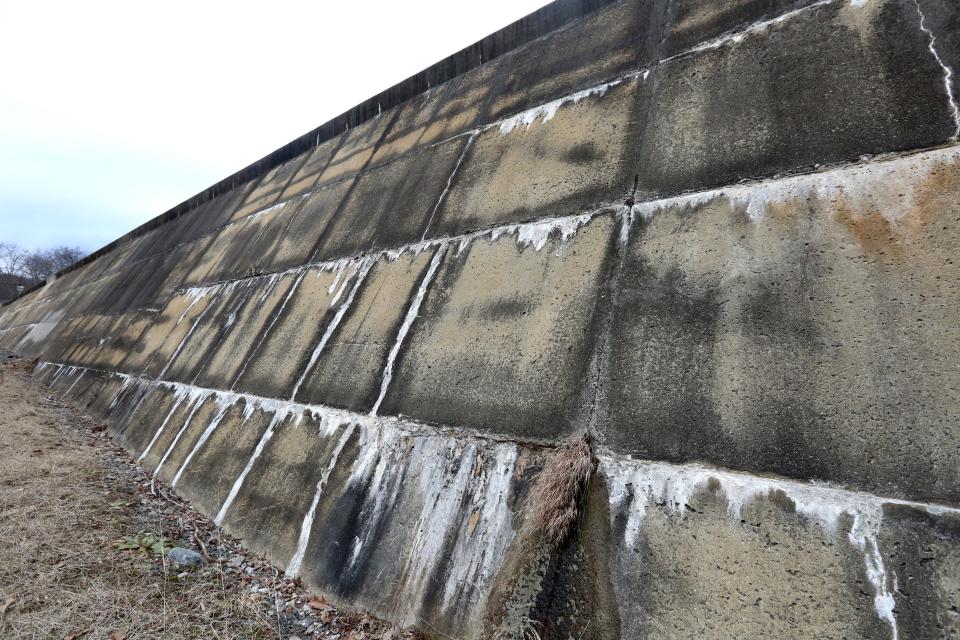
x,y
250,571
185,557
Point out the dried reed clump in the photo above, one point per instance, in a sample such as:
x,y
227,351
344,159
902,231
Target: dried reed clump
x,y
555,498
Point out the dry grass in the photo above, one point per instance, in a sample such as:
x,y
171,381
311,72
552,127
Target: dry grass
x,y
68,495
554,501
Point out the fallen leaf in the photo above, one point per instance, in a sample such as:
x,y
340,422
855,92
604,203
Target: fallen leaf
x,y
317,602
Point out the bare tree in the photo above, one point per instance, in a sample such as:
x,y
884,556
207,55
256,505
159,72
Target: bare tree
x,y
11,258
64,256
37,265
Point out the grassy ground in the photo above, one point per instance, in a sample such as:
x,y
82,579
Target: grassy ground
x,y
70,500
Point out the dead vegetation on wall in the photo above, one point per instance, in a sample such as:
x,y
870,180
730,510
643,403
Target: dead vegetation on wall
x,y
554,502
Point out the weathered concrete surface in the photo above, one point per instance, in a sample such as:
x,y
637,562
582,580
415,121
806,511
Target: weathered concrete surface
x,y
551,161
708,554
691,232
391,206
832,83
798,327
490,341
349,372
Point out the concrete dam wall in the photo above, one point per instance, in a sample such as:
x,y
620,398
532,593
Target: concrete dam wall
x,y
706,251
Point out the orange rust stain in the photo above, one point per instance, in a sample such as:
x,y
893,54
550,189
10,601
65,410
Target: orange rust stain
x,y
785,212
934,194
874,233
906,228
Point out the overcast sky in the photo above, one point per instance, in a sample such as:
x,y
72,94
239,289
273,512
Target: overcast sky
x,y
113,112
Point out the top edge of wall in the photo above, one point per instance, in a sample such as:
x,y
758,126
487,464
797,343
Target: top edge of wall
x,y
535,25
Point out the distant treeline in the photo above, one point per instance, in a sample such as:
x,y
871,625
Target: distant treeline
x,y
38,264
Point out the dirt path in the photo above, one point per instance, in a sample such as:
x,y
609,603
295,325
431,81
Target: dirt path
x,y
80,534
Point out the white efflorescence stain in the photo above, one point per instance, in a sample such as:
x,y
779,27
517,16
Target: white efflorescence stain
x,y
637,486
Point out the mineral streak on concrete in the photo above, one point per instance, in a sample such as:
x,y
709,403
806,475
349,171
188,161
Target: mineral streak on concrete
x,y
716,238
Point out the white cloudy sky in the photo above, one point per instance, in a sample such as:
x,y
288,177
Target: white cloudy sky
x,y
112,112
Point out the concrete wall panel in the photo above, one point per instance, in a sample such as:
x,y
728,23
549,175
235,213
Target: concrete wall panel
x,y
495,349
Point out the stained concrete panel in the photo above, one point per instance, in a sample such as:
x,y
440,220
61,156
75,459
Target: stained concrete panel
x,y
226,358
441,113
307,225
692,23
617,39
185,443
828,85
357,148
717,557
496,349
349,372
315,164
215,467
145,410
209,330
562,161
804,328
942,19
276,495
270,187
160,342
243,248
392,205
169,437
283,354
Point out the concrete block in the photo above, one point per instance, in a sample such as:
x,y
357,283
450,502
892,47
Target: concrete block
x,y
315,164
241,248
561,160
269,189
306,227
217,323
441,113
284,353
828,85
699,553
269,508
796,326
255,307
353,154
161,343
692,24
215,466
495,347
169,443
617,39
392,205
350,370
139,414
941,18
